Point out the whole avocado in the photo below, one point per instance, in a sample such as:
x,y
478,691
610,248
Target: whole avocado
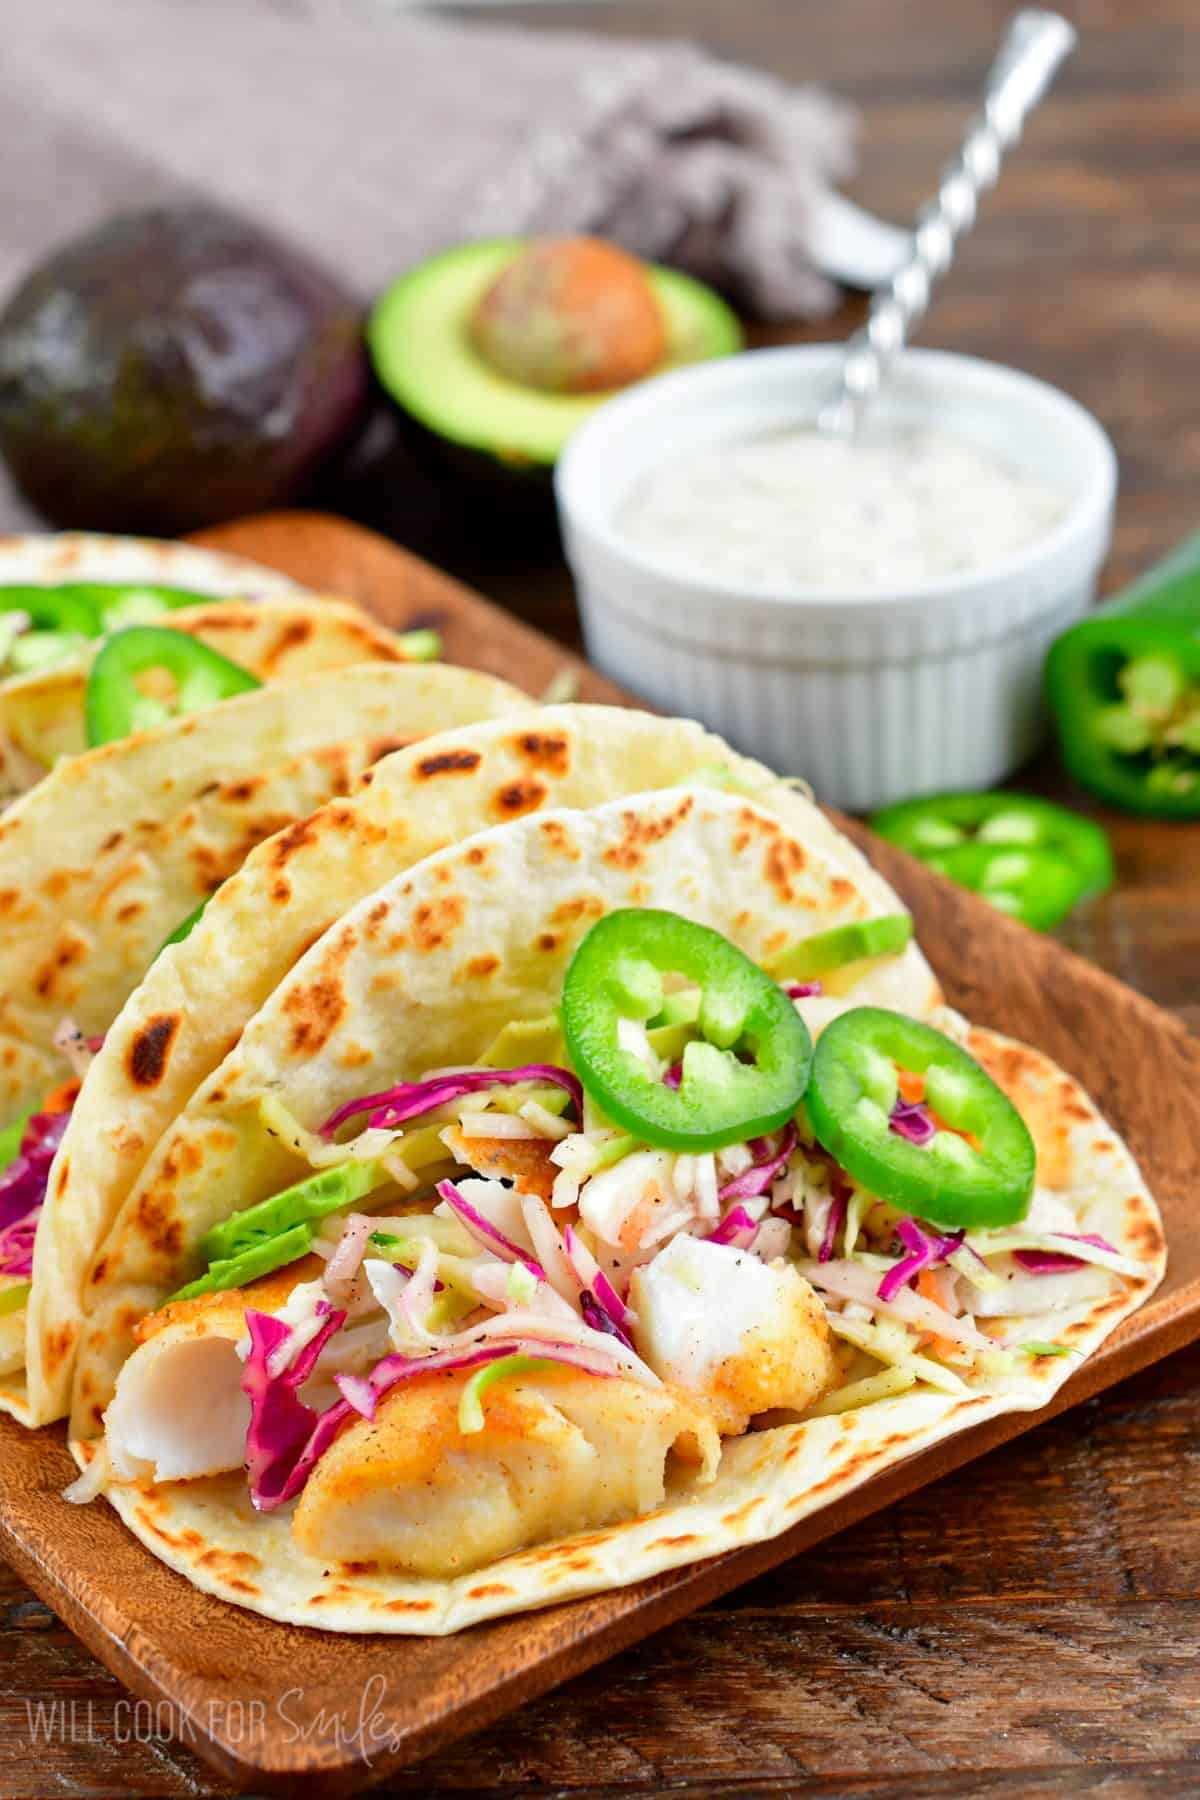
x,y
173,368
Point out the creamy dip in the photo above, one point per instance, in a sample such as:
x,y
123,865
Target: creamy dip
x,y
797,509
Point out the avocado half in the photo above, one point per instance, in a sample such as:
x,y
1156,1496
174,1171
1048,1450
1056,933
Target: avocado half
x,y
492,431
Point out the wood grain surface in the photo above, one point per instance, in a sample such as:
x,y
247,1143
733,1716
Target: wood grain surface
x,y
1030,1625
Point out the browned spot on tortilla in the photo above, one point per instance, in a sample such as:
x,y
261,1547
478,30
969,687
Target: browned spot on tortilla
x,y
488,1589
159,1226
374,919
58,1347
70,949
436,922
239,1586
547,941
480,967
673,1543
64,1174
405,1606
639,831
448,762
584,906
238,792
293,839
111,842
294,634
353,1056
281,892
57,883
477,854
133,909
227,1562
317,1007
359,1568
146,1060
517,797
1143,1231
784,859
544,750
559,840
741,1513
9,898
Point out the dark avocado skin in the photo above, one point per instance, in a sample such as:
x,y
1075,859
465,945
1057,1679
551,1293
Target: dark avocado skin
x,y
174,368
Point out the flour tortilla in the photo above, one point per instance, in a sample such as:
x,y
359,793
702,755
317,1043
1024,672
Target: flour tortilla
x,y
425,973
42,713
291,890
49,559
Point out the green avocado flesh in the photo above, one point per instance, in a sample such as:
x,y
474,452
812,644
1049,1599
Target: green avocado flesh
x,y
423,356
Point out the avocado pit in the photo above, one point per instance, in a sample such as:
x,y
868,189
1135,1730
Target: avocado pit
x,y
571,316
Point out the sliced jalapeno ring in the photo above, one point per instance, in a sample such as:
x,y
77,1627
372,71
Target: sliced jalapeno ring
x,y
116,705
959,834
1036,886
743,1073
949,1181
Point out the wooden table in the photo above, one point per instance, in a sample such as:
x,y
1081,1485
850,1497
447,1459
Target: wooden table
x,y
1030,1627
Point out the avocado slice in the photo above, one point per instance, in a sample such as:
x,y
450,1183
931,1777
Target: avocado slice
x,y
420,346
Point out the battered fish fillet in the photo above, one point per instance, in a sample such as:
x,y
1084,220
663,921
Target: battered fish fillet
x,y
559,1453
748,1337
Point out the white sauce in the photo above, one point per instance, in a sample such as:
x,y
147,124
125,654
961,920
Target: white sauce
x,y
894,509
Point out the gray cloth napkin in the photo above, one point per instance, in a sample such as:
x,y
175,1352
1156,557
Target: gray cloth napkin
x,y
374,139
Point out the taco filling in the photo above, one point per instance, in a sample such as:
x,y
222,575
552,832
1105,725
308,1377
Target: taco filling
x,y
530,1296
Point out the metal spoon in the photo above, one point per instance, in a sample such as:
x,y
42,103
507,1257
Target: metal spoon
x,y
1036,44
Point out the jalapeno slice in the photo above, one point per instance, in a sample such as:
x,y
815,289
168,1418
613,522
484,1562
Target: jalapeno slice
x,y
743,1074
116,705
967,837
1038,887
983,1179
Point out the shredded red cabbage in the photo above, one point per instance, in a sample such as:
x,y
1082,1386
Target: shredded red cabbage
x,y
482,1229
1053,1262
758,1177
673,1076
23,1189
737,1228
281,1425
409,1099
835,1221
16,1247
591,1276
600,1319
801,990
923,1249
1047,1262
911,1119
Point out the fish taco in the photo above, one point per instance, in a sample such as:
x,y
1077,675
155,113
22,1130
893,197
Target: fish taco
x,y
117,849
586,1200
55,709
191,1006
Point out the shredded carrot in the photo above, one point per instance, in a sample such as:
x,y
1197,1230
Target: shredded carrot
x,y
929,1287
62,1098
911,1085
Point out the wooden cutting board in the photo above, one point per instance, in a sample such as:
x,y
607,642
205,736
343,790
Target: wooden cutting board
x,y
271,1705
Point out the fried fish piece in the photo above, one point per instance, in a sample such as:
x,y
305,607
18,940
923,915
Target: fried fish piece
x,y
561,1451
749,1337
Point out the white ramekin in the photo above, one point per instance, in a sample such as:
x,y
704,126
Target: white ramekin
x,y
871,697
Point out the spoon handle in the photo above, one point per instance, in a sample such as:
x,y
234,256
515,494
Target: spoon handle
x,y
1036,44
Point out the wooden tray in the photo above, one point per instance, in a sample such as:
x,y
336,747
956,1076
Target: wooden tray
x,y
269,1704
